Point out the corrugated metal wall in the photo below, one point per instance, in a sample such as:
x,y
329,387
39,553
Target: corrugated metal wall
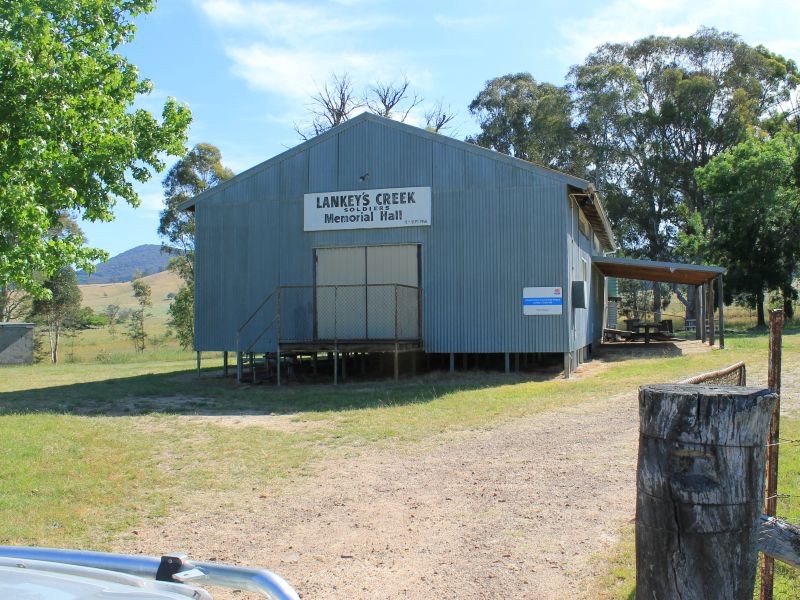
x,y
583,321
496,227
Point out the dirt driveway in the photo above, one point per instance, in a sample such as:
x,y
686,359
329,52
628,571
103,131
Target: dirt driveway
x,y
514,512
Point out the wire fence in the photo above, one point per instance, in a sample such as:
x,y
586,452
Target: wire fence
x,y
307,313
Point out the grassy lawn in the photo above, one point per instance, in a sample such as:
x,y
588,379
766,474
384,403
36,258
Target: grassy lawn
x,y
87,451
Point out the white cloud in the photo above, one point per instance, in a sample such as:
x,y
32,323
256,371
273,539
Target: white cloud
x,y
292,49
629,20
298,72
152,202
290,22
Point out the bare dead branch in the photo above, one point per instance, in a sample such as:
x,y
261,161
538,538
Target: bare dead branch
x,y
438,118
385,98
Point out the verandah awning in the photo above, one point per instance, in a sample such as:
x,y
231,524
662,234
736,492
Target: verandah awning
x,y
652,270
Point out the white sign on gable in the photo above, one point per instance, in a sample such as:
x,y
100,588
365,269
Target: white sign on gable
x,y
542,301
367,209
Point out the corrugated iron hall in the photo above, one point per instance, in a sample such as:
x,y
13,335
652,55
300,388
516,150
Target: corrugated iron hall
x,y
379,238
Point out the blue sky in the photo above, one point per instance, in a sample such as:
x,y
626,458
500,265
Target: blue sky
x,y
247,68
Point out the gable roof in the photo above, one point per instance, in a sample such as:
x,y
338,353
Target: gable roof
x,y
600,224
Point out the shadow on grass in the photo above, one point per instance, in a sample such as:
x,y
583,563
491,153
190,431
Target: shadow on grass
x,y
791,329
181,392
620,351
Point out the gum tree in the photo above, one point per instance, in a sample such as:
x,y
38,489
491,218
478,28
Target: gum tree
x,y
196,172
753,215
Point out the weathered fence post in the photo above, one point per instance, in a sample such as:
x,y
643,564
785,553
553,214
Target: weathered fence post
x,y
700,490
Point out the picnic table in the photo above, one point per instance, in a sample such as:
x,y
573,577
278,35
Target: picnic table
x,y
648,328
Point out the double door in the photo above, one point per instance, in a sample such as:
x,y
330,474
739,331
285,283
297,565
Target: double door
x,y
367,292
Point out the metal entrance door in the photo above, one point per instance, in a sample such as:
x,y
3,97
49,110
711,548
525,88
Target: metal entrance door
x,y
367,303
341,310
393,265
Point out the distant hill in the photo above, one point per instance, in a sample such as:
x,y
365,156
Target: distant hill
x,y
147,258
163,286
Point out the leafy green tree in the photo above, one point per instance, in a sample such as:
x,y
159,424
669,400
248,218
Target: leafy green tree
x,y
196,172
200,169
70,141
143,294
111,313
753,215
528,120
60,309
181,317
14,303
654,110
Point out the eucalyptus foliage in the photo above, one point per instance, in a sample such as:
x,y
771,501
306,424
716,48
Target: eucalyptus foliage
x,y
71,140
528,120
753,214
193,174
654,110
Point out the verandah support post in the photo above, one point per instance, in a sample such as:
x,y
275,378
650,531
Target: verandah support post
x,y
700,490
198,363
710,292
506,362
774,384
721,301
698,320
396,334
335,367
452,362
278,365
225,363
702,321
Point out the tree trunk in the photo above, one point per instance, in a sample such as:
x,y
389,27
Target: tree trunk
x,y
760,309
688,302
5,298
656,302
56,336
788,307
700,490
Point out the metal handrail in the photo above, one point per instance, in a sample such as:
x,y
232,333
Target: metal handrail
x,y
260,335
349,285
253,314
245,324
261,581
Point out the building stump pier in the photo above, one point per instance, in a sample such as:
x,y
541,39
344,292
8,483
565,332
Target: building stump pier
x,y
700,490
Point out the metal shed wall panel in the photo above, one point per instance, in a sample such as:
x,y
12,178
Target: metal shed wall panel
x,y
496,228
584,324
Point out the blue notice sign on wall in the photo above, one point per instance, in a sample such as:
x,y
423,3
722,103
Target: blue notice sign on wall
x,y
542,301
